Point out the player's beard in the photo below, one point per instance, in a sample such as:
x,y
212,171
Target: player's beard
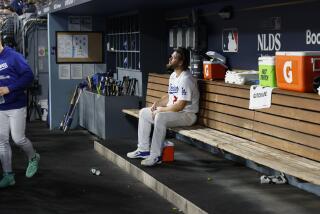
x,y
171,68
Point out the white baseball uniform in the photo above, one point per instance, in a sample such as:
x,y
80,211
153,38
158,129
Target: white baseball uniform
x,y
184,87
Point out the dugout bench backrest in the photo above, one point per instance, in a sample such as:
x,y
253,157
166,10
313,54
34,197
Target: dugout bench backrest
x,y
285,137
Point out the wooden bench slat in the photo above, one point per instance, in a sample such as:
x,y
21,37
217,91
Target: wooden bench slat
x,y
151,99
213,138
132,112
286,134
227,128
158,94
158,87
159,80
222,83
279,99
308,101
294,160
284,145
225,138
290,112
224,90
302,103
282,100
312,96
300,126
205,133
166,76
232,120
277,91
233,101
197,136
248,151
240,112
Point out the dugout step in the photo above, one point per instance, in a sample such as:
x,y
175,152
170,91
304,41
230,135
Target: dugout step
x,y
208,183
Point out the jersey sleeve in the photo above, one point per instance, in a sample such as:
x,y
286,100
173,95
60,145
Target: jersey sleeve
x,y
24,72
185,90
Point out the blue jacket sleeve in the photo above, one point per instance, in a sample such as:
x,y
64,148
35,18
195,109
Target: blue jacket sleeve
x,y
25,74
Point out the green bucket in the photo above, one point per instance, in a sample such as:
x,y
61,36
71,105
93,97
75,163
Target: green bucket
x,y
267,71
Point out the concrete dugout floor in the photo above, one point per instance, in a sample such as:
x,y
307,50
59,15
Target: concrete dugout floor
x,y
65,184
215,185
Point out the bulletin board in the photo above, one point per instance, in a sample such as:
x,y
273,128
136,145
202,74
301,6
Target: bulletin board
x,y
79,47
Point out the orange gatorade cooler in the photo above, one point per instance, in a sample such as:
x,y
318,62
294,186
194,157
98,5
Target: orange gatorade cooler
x,y
296,70
168,152
213,70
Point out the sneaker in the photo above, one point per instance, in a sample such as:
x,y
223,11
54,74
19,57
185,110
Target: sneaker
x,y
273,179
151,161
7,180
264,179
138,154
279,179
33,166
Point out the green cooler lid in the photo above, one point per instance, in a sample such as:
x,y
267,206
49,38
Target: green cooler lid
x,y
266,60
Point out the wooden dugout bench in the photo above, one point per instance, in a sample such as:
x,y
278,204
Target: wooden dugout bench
x,y
285,137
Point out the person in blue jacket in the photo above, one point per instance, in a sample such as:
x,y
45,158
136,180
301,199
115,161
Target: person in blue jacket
x,y
15,77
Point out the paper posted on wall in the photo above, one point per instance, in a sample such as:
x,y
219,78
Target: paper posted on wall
x,y
260,97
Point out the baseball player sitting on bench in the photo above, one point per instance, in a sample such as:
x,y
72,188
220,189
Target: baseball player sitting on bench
x,y
177,108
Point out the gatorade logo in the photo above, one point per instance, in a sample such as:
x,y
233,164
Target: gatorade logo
x,y
287,72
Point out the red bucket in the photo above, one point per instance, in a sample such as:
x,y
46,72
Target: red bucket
x,y
168,152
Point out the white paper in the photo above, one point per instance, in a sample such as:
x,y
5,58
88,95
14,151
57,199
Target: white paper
x,y
100,68
76,71
74,23
86,23
260,97
80,46
64,71
65,46
87,70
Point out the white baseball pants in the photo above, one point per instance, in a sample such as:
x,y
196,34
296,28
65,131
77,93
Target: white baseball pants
x,y
15,121
162,121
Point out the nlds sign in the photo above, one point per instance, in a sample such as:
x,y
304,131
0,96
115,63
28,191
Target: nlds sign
x,y
269,42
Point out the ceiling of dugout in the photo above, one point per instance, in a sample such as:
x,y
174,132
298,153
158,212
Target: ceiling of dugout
x,y
109,7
